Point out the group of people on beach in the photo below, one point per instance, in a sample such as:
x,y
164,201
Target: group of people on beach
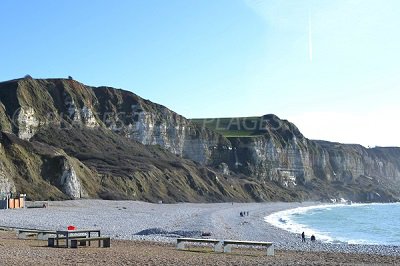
x,y
303,237
246,213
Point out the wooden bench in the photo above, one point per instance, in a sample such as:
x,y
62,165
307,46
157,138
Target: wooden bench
x,y
227,245
180,242
40,234
82,241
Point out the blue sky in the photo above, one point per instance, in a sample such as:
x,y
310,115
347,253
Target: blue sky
x,y
224,58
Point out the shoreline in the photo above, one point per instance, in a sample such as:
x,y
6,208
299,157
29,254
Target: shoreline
x,y
134,220
284,220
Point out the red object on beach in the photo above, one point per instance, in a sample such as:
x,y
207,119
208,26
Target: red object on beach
x,y
71,227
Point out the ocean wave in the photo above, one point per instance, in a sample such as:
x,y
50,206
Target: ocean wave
x,y
285,220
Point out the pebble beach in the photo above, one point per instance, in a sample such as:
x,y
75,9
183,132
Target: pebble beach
x,y
161,224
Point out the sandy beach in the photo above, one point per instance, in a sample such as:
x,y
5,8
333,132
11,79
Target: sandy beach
x,y
154,228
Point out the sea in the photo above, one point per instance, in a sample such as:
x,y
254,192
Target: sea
x,y
374,224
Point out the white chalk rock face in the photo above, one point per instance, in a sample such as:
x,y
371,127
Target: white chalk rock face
x,y
72,109
27,123
167,129
285,164
88,117
6,184
70,182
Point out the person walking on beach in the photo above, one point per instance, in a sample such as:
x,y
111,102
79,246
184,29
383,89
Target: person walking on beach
x,y
303,237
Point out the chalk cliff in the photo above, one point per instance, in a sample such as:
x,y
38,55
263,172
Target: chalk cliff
x,y
279,152
80,141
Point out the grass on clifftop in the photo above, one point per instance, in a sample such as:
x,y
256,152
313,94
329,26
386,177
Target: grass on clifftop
x,y
233,126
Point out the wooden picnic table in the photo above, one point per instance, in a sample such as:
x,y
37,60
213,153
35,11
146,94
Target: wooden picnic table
x,y
67,234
